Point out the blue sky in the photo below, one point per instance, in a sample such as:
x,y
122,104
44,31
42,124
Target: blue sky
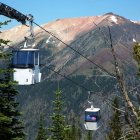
x,y
48,10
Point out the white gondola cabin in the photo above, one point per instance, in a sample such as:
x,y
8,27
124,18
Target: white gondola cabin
x,y
92,118
25,63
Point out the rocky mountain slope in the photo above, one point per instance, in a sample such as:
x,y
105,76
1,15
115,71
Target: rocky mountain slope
x,y
90,37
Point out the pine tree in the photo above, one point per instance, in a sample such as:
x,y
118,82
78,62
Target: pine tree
x,y
132,134
136,54
10,126
42,134
115,124
59,129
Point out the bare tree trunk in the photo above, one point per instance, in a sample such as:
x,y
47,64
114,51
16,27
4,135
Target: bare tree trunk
x,y
121,82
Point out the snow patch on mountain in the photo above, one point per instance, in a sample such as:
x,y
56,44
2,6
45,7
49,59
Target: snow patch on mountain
x,y
48,40
114,19
136,22
133,21
134,40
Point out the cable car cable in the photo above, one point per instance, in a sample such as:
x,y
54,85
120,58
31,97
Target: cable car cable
x,y
68,79
105,39
76,51
81,86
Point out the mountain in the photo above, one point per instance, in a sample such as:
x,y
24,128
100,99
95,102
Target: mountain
x,y
89,36
83,35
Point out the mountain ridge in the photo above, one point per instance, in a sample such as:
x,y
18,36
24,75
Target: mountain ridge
x,y
88,35
64,25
